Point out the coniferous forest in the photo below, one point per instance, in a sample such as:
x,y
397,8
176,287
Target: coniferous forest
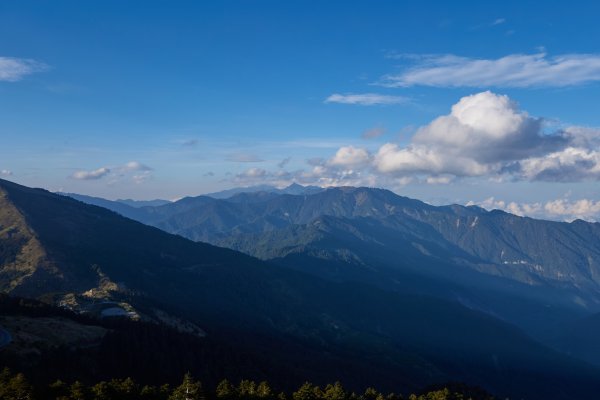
x,y
15,386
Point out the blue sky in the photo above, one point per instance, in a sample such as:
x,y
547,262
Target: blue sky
x,y
167,99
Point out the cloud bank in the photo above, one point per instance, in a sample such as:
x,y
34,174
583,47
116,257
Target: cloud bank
x,y
559,209
484,136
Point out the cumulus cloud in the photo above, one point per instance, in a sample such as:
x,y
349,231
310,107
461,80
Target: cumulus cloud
x,y
393,159
562,209
6,172
349,156
567,165
14,69
91,175
583,209
484,135
488,127
365,99
253,173
514,70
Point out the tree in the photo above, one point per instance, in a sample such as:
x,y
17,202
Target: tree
x,y
78,391
155,393
246,389
263,391
124,389
188,390
334,392
393,396
17,388
59,390
370,394
225,390
306,392
101,391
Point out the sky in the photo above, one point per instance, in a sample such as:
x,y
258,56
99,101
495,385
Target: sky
x,y
470,102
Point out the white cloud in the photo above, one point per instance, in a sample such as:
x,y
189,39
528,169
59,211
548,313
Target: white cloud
x,y
498,21
439,180
14,69
583,209
365,99
6,172
483,134
91,175
488,127
141,177
253,173
560,209
567,165
349,156
134,170
515,70
134,166
393,159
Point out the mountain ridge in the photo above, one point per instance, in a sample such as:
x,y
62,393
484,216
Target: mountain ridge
x,y
525,248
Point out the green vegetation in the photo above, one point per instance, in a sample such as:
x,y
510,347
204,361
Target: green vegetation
x,y
16,387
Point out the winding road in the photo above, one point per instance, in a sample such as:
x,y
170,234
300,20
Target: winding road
x,y
5,337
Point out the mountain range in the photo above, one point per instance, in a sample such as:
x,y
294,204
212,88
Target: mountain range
x,y
355,284
537,274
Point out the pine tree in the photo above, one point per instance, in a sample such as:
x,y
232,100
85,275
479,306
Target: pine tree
x,y
305,392
78,391
370,394
226,391
263,391
334,392
247,389
188,390
155,393
17,388
101,391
